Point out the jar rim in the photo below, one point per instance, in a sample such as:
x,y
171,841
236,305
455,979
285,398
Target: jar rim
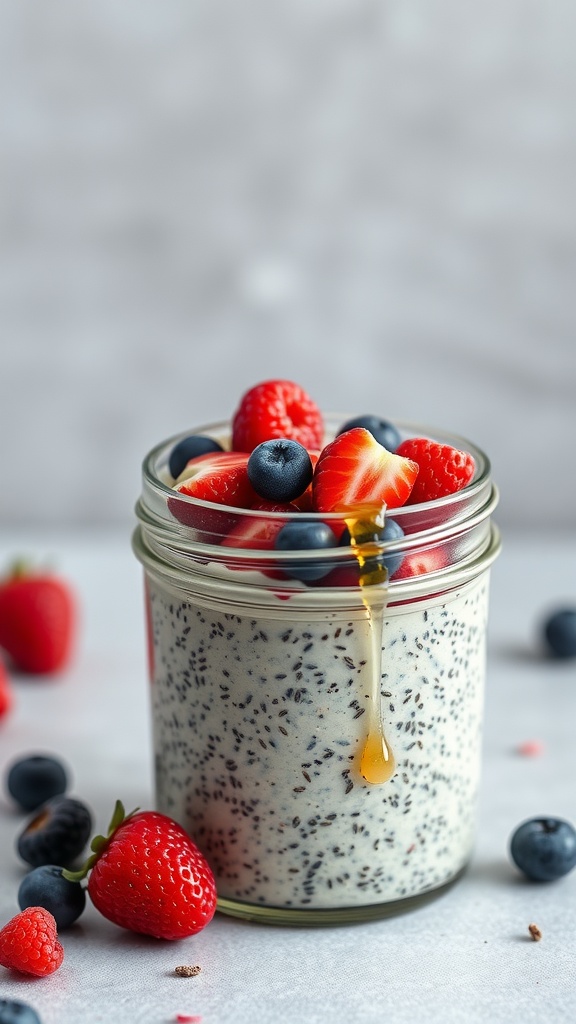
x,y
157,490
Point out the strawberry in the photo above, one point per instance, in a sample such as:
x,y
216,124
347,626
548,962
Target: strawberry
x,y
442,469
258,532
148,876
304,501
416,563
29,943
6,695
37,620
220,478
276,408
354,469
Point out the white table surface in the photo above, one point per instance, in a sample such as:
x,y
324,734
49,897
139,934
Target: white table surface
x,y
465,957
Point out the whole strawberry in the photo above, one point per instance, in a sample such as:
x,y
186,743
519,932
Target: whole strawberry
x,y
37,620
29,943
148,876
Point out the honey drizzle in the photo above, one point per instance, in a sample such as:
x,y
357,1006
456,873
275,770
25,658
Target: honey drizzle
x,y
377,763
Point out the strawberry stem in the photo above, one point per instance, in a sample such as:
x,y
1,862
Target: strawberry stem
x,y
99,842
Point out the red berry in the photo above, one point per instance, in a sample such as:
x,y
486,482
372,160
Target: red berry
x,y
443,469
258,532
37,621
220,478
355,470
276,408
6,695
304,501
148,876
29,943
417,563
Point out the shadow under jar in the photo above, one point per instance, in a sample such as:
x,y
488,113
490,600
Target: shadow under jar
x,y
319,740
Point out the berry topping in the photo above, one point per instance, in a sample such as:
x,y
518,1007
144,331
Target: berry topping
x,y
418,563
355,470
220,478
280,470
443,469
33,780
37,620
148,876
57,834
385,433
391,532
29,943
560,633
46,887
544,848
12,1011
304,535
258,532
273,409
190,448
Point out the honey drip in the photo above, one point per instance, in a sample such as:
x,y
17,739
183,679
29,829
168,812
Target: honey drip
x,y
377,762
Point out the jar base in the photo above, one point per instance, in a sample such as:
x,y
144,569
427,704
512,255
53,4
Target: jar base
x,y
323,916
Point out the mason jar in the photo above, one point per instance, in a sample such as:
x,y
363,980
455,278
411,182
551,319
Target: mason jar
x,y
317,716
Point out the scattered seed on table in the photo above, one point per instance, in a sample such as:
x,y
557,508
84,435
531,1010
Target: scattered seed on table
x,y
187,971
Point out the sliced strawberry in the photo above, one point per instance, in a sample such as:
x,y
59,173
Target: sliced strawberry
x,y
220,478
276,408
417,563
354,469
257,532
304,502
443,469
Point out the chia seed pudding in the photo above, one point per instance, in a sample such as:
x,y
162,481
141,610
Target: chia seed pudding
x,y
265,693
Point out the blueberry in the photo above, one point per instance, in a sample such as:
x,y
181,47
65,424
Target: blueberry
x,y
57,834
305,535
31,781
45,887
14,1012
544,848
190,448
560,633
385,433
391,533
280,470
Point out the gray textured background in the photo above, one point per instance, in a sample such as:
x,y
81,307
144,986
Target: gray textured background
x,y
374,199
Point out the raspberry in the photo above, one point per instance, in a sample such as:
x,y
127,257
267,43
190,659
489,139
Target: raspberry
x,y
443,469
276,408
29,943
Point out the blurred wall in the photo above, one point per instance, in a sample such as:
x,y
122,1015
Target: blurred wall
x,y
375,199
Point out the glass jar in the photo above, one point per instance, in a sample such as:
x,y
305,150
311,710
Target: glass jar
x,y
317,717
